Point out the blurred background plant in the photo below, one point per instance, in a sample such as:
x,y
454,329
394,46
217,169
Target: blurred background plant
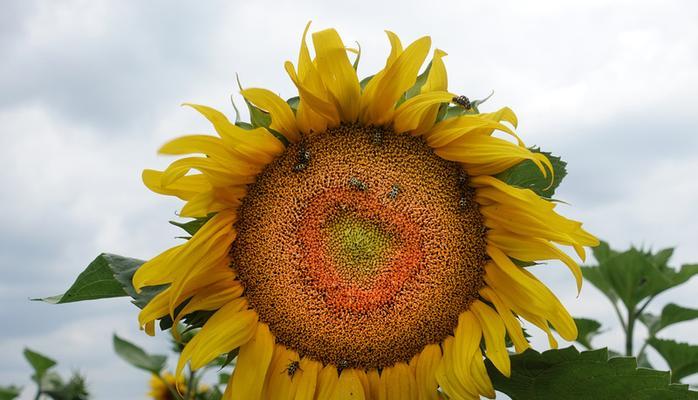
x,y
631,280
49,384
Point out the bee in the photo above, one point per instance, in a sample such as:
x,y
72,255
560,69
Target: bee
x,y
342,365
377,137
303,159
291,368
357,184
463,201
394,191
462,101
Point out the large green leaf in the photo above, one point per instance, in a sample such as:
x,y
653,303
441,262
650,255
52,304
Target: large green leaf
x,y
671,314
681,357
109,275
39,362
137,357
9,392
567,374
587,328
527,175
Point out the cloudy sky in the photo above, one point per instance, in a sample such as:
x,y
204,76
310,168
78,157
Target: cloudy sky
x,y
90,89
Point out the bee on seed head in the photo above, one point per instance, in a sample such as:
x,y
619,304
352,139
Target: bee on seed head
x,y
394,191
342,365
357,184
303,159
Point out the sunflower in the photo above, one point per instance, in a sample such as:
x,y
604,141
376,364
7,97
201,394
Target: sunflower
x,y
161,387
356,242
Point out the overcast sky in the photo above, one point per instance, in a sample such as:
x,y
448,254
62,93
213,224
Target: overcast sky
x,y
90,89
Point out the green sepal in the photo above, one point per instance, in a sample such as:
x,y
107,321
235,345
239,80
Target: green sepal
x,y
355,65
109,275
527,175
567,374
137,357
365,81
258,117
681,357
671,314
293,102
193,226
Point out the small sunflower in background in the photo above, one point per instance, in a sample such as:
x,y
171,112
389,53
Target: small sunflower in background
x,y
356,241
169,387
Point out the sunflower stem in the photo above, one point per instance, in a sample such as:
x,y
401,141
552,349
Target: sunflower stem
x,y
629,333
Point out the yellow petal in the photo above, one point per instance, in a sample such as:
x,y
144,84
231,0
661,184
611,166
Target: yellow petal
x,y
494,332
327,382
251,368
204,144
437,80
382,92
445,375
282,118
280,382
349,386
376,389
425,369
452,129
229,328
185,187
400,384
410,114
307,382
512,324
337,73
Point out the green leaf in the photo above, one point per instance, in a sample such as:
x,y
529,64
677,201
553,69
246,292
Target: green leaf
x,y
137,357
193,226
526,175
567,374
109,275
587,328
603,252
596,276
39,362
632,276
671,314
681,357
74,389
9,392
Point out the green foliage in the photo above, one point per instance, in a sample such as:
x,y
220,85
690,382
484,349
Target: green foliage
x,y
635,275
526,175
569,374
39,362
137,357
74,389
9,392
671,314
109,275
632,279
587,328
681,357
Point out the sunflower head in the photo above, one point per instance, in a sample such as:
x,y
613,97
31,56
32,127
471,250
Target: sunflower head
x,y
360,239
